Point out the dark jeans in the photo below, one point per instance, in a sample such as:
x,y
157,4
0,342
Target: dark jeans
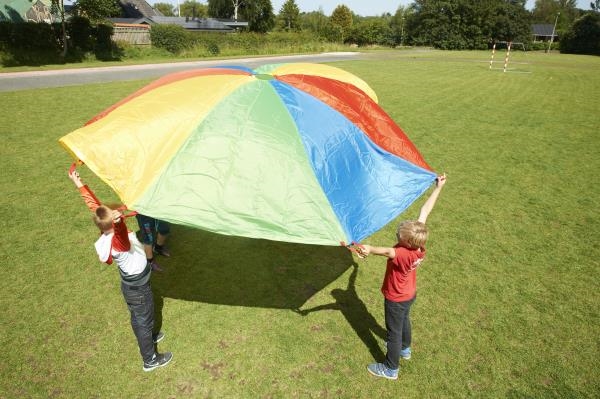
x,y
141,306
397,323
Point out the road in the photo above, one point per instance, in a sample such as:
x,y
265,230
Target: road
x,y
14,81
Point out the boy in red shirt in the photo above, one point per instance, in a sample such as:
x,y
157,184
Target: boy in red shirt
x,y
118,244
400,284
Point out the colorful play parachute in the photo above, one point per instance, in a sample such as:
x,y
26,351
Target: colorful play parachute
x,y
288,152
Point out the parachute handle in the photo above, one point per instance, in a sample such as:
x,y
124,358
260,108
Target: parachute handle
x,y
354,247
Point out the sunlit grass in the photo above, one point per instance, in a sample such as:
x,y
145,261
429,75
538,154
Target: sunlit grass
x,y
508,297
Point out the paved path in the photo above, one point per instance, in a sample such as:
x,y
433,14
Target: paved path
x,y
13,81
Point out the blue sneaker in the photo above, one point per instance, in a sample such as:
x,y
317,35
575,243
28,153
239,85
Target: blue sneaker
x,y
380,370
405,354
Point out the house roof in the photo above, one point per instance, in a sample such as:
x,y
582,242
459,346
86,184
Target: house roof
x,y
16,10
232,23
543,29
206,24
135,21
138,9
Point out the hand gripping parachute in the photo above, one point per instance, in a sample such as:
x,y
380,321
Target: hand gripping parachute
x,y
287,152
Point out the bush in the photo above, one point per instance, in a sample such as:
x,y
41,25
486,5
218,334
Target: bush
x,y
89,43
29,43
543,46
128,51
173,38
213,48
5,34
583,37
104,48
80,34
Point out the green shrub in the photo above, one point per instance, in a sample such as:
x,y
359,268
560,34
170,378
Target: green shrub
x,y
5,34
213,48
583,37
104,48
128,51
543,46
173,38
80,34
29,43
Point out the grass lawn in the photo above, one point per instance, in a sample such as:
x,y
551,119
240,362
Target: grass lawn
x,y
509,297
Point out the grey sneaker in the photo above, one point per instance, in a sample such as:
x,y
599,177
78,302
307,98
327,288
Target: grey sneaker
x,y
159,360
380,370
158,337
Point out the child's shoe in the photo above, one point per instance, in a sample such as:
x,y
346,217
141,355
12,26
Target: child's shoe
x,y
155,267
405,354
158,337
159,360
162,250
380,370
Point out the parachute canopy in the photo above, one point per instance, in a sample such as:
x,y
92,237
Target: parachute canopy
x,y
288,152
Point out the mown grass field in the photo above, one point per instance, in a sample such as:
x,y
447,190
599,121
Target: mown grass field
x,y
508,302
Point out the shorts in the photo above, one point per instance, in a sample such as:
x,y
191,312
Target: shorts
x,y
149,227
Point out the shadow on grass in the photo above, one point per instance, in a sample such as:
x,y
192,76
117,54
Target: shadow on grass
x,y
212,268
356,313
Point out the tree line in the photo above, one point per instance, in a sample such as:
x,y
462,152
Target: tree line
x,y
444,24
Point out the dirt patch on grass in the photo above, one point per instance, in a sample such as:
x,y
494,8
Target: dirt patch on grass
x,y
214,369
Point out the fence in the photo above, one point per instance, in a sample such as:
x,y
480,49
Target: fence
x,y
136,34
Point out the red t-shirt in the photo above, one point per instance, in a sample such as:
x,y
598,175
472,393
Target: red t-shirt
x,y
400,281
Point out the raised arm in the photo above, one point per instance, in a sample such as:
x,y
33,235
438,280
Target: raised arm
x,y
121,238
428,205
88,196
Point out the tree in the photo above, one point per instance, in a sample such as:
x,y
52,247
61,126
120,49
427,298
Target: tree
x,y
58,8
467,24
545,12
371,30
595,5
397,26
193,9
165,9
289,16
583,37
226,8
341,21
96,10
512,22
444,24
314,21
259,14
236,7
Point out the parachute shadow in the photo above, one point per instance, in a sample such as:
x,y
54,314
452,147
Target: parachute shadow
x,y
227,270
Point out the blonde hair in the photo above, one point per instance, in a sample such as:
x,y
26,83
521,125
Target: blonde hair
x,y
103,218
412,234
